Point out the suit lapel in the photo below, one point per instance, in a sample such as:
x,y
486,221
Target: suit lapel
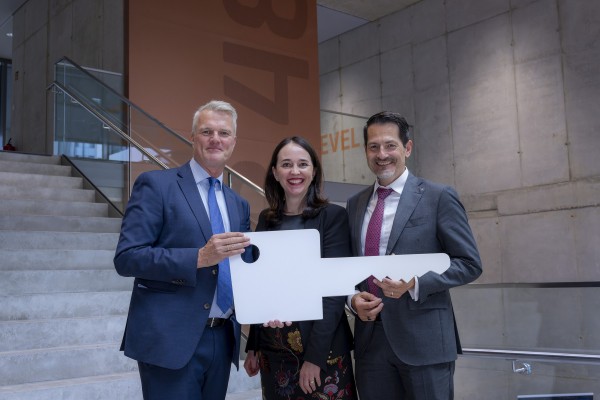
x,y
411,194
188,187
359,216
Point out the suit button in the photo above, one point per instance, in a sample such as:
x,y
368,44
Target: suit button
x,y
206,306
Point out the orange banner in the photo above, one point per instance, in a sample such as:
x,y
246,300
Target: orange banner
x,y
261,56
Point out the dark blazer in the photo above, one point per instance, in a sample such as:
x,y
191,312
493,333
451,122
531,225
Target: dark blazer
x,y
429,219
333,331
164,226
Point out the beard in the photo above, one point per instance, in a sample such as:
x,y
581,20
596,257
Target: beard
x,y
389,170
387,174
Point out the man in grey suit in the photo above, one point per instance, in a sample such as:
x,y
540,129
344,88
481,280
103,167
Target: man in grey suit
x,y
406,340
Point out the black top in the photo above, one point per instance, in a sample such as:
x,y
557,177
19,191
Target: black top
x,y
333,331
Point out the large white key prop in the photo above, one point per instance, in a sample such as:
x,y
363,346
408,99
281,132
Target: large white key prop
x,y
289,279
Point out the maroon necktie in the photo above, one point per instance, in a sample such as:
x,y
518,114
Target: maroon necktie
x,y
373,236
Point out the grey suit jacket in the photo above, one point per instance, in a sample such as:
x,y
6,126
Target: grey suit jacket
x,y
430,219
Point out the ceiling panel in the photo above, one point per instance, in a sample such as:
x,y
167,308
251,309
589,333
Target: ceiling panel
x,y
334,17
367,9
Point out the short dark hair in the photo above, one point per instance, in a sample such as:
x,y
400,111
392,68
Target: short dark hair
x,y
388,117
275,194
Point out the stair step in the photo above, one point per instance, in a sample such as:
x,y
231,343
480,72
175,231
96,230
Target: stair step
x,y
63,305
56,281
30,158
125,386
53,207
56,259
59,363
37,334
241,386
252,394
29,366
31,180
42,194
60,223
58,240
35,168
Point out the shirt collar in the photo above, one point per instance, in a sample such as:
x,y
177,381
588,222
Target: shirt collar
x,y
200,173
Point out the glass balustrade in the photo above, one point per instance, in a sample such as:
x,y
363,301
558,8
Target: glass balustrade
x,y
114,141
551,332
342,148
99,151
493,379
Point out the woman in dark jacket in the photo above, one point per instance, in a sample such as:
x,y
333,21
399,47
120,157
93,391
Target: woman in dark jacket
x,y
305,359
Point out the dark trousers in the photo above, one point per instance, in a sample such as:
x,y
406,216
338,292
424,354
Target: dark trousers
x,y
381,375
205,377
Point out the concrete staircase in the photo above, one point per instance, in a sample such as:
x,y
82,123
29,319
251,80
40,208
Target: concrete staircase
x,y
63,307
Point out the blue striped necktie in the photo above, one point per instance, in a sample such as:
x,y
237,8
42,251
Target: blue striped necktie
x,y
224,291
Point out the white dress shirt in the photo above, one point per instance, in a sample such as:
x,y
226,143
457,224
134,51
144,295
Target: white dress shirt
x,y
389,213
201,179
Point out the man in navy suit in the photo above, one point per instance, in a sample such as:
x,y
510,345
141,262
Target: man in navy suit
x,y
406,340
183,341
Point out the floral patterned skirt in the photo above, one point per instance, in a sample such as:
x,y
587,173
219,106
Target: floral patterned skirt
x,y
280,362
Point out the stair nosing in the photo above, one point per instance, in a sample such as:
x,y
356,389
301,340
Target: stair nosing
x,y
59,349
67,382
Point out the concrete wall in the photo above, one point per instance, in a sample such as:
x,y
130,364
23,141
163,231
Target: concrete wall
x,y
503,96
90,32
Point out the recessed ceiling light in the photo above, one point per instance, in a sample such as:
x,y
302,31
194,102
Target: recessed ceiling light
x,y
9,34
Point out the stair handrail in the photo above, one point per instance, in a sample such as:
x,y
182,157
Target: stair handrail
x,y
511,354
108,122
231,172
122,98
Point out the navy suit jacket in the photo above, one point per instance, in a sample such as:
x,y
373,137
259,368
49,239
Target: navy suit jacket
x,y
430,219
163,227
